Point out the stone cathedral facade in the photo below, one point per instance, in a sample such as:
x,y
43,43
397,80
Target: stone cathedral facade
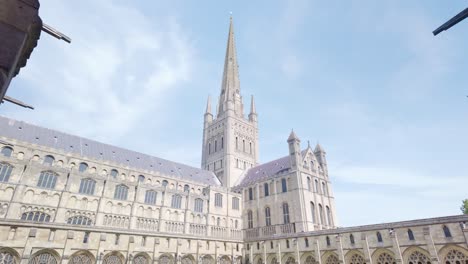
x,y
68,199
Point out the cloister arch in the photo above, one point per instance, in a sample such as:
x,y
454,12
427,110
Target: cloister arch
x,y
383,256
415,255
142,258
308,258
113,257
452,254
45,256
82,257
9,256
330,257
355,257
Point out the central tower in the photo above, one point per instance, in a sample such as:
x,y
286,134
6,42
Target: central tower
x,y
230,140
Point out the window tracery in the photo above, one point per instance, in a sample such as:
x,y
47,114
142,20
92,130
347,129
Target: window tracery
x,y
7,258
44,258
417,257
332,259
357,259
5,172
290,260
455,257
112,259
385,258
140,259
310,260
81,259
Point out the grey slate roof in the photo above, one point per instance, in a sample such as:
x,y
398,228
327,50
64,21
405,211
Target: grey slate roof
x,y
267,170
33,134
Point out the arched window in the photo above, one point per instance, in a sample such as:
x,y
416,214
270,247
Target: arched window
x,y
351,239
5,172
6,257
329,216
87,186
447,231
35,216
328,241
250,194
250,147
176,201
308,184
250,219
312,165
114,173
324,189
44,258
235,203
47,179
222,142
112,259
243,145
312,209
7,151
48,160
284,186
316,186
81,258
322,222
218,200
218,221
150,197
121,192
164,183
410,234
236,224
216,145
379,237
141,259
266,189
198,205
306,242
79,220
141,178
267,216
287,244
237,143
83,167
209,148
285,213
186,188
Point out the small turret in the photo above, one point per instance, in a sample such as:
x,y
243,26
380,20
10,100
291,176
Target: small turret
x,y
294,149
253,111
321,157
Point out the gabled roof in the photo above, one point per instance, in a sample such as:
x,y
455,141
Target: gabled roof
x,y
91,149
267,170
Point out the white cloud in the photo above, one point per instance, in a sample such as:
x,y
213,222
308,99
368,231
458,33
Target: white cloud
x,y
116,73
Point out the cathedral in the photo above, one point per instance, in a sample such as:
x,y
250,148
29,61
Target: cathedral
x,y
68,199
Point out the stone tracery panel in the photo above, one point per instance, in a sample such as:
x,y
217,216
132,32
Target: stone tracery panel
x,y
332,259
455,257
357,259
7,258
43,258
112,259
81,259
418,257
385,258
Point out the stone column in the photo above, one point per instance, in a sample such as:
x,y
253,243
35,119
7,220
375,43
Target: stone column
x,y
365,248
317,252
339,246
396,246
430,245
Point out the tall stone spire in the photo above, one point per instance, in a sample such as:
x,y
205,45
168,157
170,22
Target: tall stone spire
x,y
208,105
253,111
230,98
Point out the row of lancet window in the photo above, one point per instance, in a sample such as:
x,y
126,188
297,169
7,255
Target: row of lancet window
x,y
322,219
266,189
244,148
316,186
215,148
285,210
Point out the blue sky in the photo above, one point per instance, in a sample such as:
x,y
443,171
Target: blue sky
x,y
366,79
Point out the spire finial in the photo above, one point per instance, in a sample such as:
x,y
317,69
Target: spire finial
x,y
308,143
208,105
252,106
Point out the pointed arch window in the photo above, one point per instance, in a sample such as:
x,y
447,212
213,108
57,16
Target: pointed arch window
x,y
351,239
329,216
47,179
87,186
312,209
7,152
379,237
243,145
266,189
250,147
5,172
267,216
328,241
176,201
198,205
48,160
237,143
164,183
322,222
121,192
286,213
216,146
324,188
410,235
218,221
309,187
250,219
447,231
316,186
35,216
306,241
250,194
284,186
79,220
222,142
150,197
